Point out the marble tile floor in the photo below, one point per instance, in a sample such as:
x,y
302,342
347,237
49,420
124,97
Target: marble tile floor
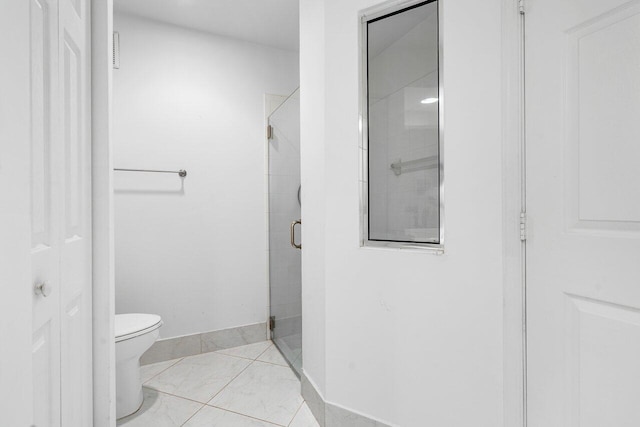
x,y
291,346
247,386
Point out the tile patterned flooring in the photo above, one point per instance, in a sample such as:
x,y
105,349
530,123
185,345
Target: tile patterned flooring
x,y
247,386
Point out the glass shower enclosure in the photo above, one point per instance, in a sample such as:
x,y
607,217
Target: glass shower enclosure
x,y
285,230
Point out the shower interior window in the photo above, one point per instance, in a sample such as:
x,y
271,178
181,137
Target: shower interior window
x,y
401,106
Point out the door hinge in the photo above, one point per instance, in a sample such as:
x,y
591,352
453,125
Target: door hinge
x,y
269,132
272,323
521,6
523,226
116,50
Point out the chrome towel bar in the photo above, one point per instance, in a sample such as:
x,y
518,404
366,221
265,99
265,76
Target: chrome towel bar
x,y
399,167
182,173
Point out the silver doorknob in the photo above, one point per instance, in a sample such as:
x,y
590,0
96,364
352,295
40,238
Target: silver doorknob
x,y
43,289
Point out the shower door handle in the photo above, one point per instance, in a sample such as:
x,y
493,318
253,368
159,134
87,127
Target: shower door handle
x,y
292,230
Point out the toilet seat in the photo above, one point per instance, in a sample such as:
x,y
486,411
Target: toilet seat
x,y
133,325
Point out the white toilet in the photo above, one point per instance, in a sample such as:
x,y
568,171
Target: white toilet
x,y
135,333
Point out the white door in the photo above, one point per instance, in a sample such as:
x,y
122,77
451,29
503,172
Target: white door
x,y
46,211
583,208
75,257
60,212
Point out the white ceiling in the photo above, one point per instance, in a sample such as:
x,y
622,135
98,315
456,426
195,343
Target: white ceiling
x,y
270,22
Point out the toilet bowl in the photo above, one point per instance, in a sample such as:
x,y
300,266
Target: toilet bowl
x,y
135,333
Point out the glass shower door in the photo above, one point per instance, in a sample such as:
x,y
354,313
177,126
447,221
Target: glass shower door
x,y
284,232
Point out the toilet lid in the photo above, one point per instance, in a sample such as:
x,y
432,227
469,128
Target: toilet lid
x,y
134,324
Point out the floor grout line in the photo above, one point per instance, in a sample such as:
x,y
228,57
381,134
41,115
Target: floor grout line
x,y
216,352
277,364
250,416
192,415
265,350
237,357
175,395
208,402
179,397
296,413
245,415
274,364
232,379
242,357
170,366
220,391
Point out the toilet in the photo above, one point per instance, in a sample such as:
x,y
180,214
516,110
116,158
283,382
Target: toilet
x,y
135,333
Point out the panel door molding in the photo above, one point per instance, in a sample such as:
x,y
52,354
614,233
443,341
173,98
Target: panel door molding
x,y
61,212
583,205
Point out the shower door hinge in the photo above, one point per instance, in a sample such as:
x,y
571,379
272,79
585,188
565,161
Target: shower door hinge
x,y
116,50
521,6
269,132
523,226
272,323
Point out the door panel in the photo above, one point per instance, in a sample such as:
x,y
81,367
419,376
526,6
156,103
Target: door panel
x,y
285,276
60,213
583,205
45,212
602,110
76,225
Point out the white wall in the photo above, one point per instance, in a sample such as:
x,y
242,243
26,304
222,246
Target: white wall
x,y
192,251
410,338
312,178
